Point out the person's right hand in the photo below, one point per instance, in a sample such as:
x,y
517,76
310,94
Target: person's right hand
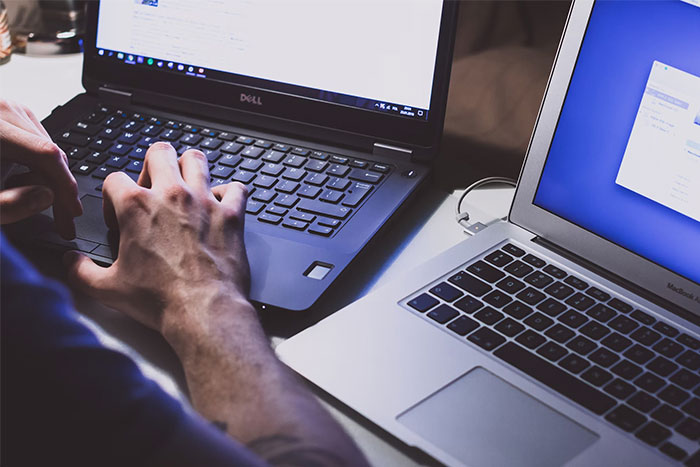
x,y
181,253
24,141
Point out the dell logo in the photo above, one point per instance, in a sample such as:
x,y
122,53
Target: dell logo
x,y
250,99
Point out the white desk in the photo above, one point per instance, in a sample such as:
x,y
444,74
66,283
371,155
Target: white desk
x,y
427,229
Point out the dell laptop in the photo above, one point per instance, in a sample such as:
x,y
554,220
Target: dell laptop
x,y
570,334
330,112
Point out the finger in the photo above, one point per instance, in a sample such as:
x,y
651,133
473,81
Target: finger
x,y
160,167
22,202
36,122
88,277
114,188
25,179
43,156
195,171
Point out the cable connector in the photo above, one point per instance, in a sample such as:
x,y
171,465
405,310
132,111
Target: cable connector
x,y
463,217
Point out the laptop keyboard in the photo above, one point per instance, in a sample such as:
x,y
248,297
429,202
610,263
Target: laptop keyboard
x,y
296,188
621,363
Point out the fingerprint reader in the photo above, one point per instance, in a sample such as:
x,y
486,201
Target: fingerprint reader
x,y
318,271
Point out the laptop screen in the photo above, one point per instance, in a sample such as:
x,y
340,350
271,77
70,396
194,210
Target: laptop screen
x,y
624,162
369,54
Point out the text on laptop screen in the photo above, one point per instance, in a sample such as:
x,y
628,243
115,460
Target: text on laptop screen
x,y
624,162
371,54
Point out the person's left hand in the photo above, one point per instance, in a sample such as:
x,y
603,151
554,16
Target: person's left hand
x,y
23,141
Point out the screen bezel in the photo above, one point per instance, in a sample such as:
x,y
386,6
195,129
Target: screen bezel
x,y
635,269
98,71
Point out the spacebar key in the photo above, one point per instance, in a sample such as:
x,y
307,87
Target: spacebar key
x,y
325,209
555,378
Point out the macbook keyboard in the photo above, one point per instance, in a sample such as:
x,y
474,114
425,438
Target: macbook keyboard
x,y
296,188
619,362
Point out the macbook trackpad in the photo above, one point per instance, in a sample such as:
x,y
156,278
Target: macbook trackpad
x,y
485,421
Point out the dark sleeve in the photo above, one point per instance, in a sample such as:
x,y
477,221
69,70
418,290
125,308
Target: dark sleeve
x,y
68,400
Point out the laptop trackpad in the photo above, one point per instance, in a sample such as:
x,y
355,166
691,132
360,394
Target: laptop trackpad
x,y
485,421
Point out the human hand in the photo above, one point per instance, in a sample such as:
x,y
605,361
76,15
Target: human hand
x,y
25,142
181,252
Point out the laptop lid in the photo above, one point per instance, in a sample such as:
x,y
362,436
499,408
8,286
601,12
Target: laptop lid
x,y
373,68
613,169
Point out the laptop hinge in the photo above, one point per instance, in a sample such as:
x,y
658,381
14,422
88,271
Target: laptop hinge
x,y
381,149
115,96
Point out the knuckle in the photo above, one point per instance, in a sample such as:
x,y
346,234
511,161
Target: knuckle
x,y
194,154
159,146
50,149
133,199
179,194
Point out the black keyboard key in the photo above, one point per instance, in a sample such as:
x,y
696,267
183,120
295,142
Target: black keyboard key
x,y
86,128
245,140
83,168
212,143
470,283
649,382
295,224
320,230
559,290
171,135
285,186
358,164
513,250
616,342
311,192
573,319
446,292
120,149
264,196
538,321
137,153
488,315
328,222
689,341
623,324
552,351
534,260
382,168
485,271
574,363
560,333
685,379
619,388
668,348
265,182
689,359
539,279
673,451
463,325
645,336
497,298
73,138
597,376
555,378
662,366
619,305
604,357
251,165
443,314
423,302
134,166
316,166
667,415
235,148
518,269
601,313
324,209
691,408
653,434
499,258
642,401
639,354
642,317
626,418
626,369
364,176
509,327
102,172
486,339
357,192
254,207
594,330
101,144
468,304
270,218
580,302
581,345
667,329
221,171
689,428
285,148
129,138
554,271
517,310
117,162
576,282
531,296
598,294
531,339
676,396
551,307
77,154
510,285
292,173
301,151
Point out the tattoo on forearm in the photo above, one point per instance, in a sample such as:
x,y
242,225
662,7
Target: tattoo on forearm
x,y
289,451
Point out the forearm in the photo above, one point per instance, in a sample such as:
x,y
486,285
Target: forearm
x,y
235,379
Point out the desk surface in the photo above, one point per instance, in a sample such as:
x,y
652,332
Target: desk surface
x,y
425,230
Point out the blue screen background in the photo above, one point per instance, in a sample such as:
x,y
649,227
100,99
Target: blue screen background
x,y
578,182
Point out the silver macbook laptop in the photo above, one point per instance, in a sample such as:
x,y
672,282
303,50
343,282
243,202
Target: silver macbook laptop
x,y
568,335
